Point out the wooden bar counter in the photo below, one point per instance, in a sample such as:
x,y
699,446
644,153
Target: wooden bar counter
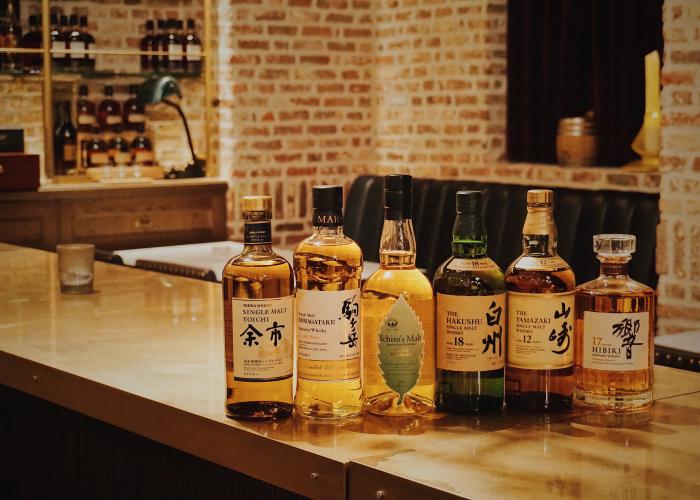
x,y
139,366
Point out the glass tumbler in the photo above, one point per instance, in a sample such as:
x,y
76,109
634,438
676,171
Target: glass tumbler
x,y
76,264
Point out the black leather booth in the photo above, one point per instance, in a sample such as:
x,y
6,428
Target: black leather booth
x,y
579,215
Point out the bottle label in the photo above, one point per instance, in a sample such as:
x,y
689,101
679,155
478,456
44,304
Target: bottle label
x,y
551,263
263,333
86,119
77,46
328,334
327,218
144,157
616,341
257,232
136,118
485,264
401,345
470,335
175,51
113,119
69,152
56,45
99,158
122,157
194,53
540,329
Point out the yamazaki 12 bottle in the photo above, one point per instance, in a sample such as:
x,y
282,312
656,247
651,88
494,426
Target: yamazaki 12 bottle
x,y
258,293
328,269
470,296
541,314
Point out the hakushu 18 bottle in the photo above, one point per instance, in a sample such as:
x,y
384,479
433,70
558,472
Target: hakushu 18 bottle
x,y
258,291
398,316
328,270
470,292
614,332
540,323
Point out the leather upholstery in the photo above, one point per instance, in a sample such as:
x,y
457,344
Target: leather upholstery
x,y
579,215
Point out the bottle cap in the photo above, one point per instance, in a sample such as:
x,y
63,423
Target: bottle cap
x,y
64,19
468,202
397,196
540,197
73,19
160,23
327,197
83,21
109,90
149,24
33,20
190,24
257,204
133,88
178,24
614,244
54,19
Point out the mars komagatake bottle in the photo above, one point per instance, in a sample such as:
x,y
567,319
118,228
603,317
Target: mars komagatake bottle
x,y
614,333
540,299
470,293
258,293
398,316
328,270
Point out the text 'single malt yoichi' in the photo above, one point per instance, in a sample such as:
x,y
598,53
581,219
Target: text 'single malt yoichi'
x,y
614,332
258,292
540,323
398,331
328,270
470,295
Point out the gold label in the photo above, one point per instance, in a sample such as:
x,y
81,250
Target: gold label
x,y
69,152
136,118
263,333
616,341
86,119
470,332
113,119
144,156
540,330
99,158
473,265
122,157
541,263
328,334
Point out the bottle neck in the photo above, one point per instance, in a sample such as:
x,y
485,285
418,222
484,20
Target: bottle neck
x,y
469,236
328,231
257,233
614,267
398,244
539,232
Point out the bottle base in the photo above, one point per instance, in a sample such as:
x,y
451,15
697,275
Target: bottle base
x,y
620,402
259,410
386,404
318,412
468,404
539,401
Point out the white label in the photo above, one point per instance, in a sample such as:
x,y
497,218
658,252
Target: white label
x,y
616,341
144,156
194,52
136,118
263,333
472,265
113,119
470,332
541,263
77,46
56,45
328,334
174,51
540,330
86,119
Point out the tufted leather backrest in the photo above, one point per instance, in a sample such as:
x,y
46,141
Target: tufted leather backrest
x,y
579,215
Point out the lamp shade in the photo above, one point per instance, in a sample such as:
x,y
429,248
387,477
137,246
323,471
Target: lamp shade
x,y
155,89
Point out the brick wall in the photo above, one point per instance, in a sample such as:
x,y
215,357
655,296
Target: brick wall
x,y
678,258
295,102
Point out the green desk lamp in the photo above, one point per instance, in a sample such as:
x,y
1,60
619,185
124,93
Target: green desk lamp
x,y
158,89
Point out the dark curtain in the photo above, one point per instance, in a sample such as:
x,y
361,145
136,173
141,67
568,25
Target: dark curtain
x,y
566,57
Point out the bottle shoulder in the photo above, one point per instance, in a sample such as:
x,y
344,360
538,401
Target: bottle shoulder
x,y
394,281
336,247
607,285
457,276
256,259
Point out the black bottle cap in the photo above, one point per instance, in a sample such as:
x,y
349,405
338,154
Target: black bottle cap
x,y
54,19
73,19
33,20
83,90
397,196
171,23
149,25
469,202
64,19
161,24
109,90
133,88
190,24
178,25
328,206
83,21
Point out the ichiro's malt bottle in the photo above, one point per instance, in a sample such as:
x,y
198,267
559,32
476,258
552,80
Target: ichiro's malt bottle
x,y
328,270
614,333
471,298
541,312
258,291
398,316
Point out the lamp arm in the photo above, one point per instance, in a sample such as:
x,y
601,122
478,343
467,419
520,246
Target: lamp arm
x,y
184,122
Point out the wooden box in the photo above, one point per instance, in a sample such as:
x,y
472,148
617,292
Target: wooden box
x,y
19,172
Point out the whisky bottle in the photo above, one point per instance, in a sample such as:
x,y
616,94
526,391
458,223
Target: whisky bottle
x,y
134,111
193,49
89,40
398,316
146,46
258,293
32,63
470,292
614,333
65,142
540,303
109,113
328,270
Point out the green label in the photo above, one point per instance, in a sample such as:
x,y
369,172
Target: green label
x,y
401,343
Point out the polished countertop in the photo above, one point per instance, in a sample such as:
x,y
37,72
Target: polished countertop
x,y
145,353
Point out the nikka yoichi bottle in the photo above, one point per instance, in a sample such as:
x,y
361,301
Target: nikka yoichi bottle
x,y
328,270
471,302
540,301
258,294
614,333
398,316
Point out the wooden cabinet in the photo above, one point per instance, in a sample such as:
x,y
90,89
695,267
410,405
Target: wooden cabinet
x,y
114,217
